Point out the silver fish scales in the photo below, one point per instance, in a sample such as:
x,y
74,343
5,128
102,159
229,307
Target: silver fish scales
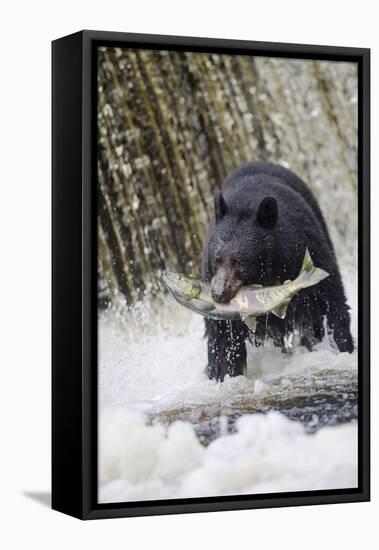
x,y
250,302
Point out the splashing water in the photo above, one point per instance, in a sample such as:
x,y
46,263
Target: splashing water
x,y
166,431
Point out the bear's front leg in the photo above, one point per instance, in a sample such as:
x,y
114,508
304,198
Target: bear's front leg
x,y
339,322
226,348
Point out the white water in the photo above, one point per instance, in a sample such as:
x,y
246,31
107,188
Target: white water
x,y
151,370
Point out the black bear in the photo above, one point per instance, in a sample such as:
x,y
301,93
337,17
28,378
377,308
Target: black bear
x,y
265,217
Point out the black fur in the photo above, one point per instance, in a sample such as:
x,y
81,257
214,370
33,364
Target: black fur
x,y
266,217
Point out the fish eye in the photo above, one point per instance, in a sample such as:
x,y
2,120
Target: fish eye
x,y
179,278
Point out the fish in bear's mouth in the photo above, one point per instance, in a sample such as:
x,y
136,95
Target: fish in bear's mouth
x,y
249,302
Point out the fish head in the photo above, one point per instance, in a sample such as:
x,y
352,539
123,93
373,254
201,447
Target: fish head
x,y
181,286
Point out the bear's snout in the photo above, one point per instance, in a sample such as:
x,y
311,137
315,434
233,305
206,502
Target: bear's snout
x,y
224,285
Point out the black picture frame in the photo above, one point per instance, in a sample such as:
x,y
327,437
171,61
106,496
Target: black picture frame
x,y
74,312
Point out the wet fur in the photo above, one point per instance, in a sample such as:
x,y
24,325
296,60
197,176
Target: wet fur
x,y
271,255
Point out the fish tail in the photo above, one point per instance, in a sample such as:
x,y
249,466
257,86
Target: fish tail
x,y
309,274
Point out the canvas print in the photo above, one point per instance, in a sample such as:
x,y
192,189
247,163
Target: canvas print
x,y
227,257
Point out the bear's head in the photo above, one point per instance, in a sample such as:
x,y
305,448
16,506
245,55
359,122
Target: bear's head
x,y
241,245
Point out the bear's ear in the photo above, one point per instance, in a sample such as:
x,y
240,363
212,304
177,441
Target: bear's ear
x,y
267,213
220,206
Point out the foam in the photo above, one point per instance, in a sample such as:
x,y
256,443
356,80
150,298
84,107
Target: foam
x,y
268,453
152,361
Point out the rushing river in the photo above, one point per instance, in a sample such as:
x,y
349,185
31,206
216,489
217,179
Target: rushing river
x,y
166,431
